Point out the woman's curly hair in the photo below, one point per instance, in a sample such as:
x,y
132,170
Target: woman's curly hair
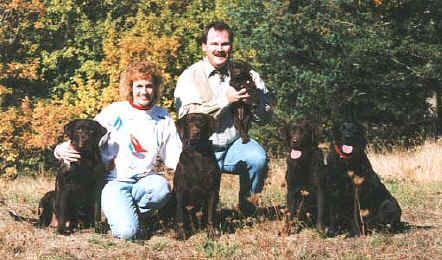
x,y
139,71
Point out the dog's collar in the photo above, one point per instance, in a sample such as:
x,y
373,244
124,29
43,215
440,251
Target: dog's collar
x,y
341,154
200,146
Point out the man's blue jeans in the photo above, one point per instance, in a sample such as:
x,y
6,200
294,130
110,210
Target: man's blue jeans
x,y
256,159
123,201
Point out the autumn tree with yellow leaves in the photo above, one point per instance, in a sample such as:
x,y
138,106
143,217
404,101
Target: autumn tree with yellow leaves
x,y
61,60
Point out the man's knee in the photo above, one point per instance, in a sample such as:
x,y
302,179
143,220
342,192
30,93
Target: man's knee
x,y
257,160
258,167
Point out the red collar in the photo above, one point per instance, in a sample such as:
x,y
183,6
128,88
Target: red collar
x,y
140,107
341,154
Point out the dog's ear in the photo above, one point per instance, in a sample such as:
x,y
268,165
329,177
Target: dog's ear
x,y
99,129
211,123
335,132
315,134
361,133
69,128
284,134
180,126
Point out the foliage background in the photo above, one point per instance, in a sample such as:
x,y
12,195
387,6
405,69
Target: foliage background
x,y
325,60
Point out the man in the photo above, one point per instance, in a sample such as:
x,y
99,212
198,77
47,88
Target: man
x,y
204,87
138,132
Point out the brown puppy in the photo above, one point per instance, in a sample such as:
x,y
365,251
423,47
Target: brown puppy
x,y
242,112
197,176
305,175
358,196
78,185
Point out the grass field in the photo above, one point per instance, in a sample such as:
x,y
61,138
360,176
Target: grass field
x,y
414,177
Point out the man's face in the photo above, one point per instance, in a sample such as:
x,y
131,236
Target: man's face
x,y
142,92
218,47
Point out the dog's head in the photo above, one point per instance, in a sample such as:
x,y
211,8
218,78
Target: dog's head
x,y
240,76
300,138
349,138
195,128
84,134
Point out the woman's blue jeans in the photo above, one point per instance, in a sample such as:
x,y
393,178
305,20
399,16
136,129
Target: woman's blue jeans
x,y
123,201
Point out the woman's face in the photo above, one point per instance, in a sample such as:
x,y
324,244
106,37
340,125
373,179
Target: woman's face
x,y
143,93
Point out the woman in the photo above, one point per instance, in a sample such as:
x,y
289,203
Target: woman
x,y
138,132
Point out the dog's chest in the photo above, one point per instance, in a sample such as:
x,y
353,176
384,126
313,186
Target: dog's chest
x,y
197,171
82,173
301,167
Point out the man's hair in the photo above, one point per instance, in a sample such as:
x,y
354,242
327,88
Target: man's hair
x,y
217,26
138,71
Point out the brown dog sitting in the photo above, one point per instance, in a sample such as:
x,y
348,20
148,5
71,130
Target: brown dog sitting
x,y
358,196
78,186
305,176
242,112
197,176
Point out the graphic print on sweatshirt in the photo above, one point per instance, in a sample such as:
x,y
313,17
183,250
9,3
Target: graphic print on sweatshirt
x,y
136,148
134,145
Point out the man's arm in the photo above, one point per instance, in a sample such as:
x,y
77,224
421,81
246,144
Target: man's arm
x,y
189,97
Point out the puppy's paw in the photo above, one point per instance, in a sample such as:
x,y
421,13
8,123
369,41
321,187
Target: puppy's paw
x,y
241,167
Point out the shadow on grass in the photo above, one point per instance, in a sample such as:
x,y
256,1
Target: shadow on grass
x,y
228,221
402,227
405,227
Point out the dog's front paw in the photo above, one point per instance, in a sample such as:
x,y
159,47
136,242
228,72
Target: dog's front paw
x,y
330,231
320,227
181,232
100,227
211,233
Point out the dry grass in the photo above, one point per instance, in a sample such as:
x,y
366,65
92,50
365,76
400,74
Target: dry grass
x,y
414,177
421,164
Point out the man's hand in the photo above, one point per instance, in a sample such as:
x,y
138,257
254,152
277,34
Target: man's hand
x,y
234,96
66,153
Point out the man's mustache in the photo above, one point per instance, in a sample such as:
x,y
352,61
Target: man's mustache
x,y
220,54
